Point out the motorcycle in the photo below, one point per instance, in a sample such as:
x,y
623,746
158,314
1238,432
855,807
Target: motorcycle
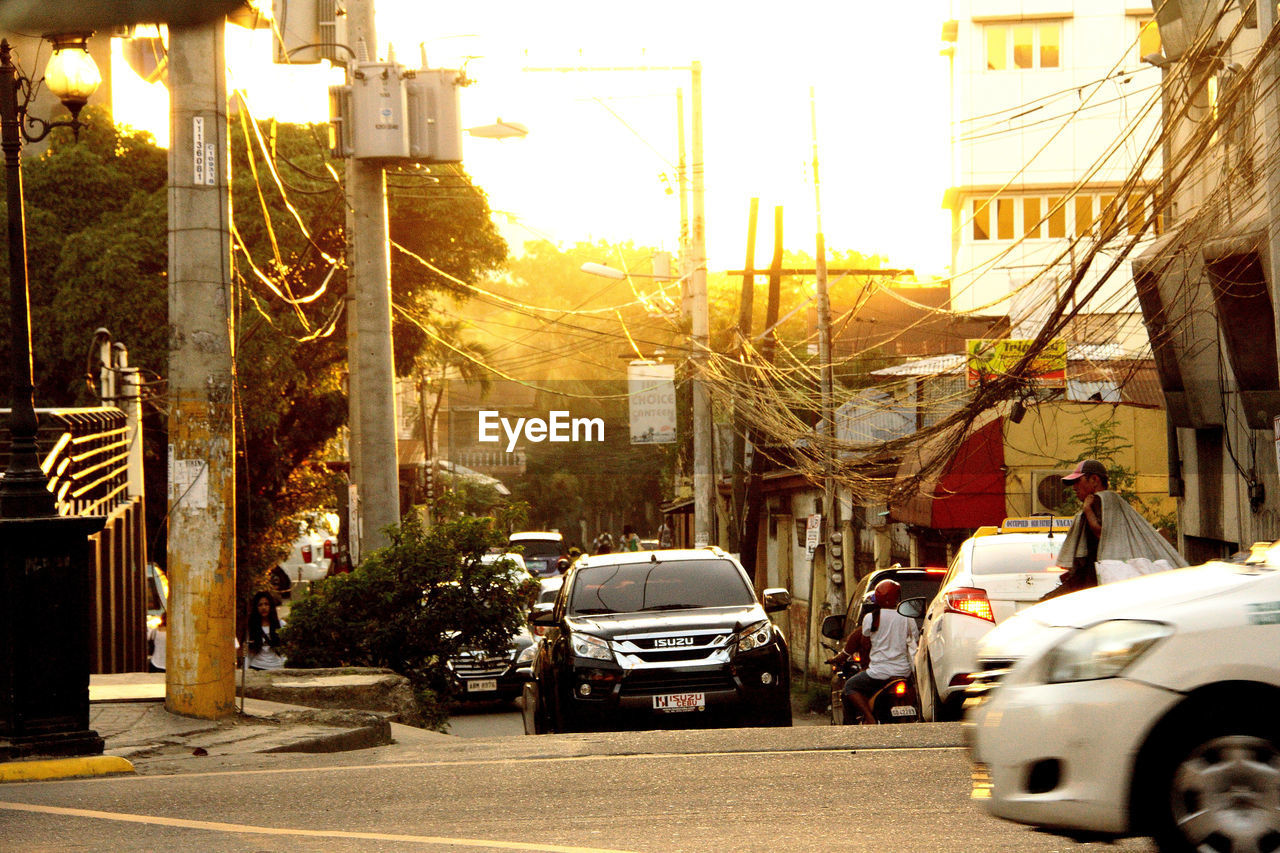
x,y
895,702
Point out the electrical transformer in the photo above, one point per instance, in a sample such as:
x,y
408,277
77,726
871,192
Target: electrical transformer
x,y
378,115
435,116
388,112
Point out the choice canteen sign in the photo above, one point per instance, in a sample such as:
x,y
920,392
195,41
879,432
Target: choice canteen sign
x,y
987,357
651,389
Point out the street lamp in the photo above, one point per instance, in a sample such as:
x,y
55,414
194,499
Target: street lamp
x,y
44,557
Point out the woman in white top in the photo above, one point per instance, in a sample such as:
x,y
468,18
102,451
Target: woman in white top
x,y
264,633
156,638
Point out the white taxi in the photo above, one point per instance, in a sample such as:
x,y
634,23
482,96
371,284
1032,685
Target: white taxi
x,y
1145,707
995,573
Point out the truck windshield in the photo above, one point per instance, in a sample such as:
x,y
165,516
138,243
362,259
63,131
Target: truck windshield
x,y
675,585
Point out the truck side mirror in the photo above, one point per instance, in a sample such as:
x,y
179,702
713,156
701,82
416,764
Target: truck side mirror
x,y
776,599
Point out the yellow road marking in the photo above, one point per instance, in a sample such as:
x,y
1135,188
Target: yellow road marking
x,y
246,829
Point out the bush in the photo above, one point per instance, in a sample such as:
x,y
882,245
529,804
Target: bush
x,y
412,605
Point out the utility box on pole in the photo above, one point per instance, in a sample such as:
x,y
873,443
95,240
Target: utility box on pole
x,y
391,113
435,116
309,31
379,126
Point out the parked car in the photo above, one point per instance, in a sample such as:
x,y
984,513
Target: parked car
x,y
541,550
920,583
644,638
995,573
1144,707
311,555
484,677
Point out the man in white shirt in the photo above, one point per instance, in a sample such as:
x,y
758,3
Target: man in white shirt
x,y
893,639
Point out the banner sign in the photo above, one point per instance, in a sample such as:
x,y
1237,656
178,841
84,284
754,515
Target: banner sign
x,y
988,357
651,389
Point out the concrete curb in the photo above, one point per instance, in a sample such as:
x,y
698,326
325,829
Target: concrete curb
x,y
364,737
64,768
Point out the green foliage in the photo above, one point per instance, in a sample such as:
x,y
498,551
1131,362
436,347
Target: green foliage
x,y
412,605
1103,441
97,226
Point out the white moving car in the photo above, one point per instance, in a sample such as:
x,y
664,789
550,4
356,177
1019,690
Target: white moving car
x,y
1146,707
311,555
996,572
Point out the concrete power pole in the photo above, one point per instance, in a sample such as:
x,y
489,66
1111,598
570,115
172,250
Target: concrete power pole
x,y
375,467
827,432
201,658
704,528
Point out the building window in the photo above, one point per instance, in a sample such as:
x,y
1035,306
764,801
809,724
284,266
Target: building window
x,y
1031,217
1057,218
1148,37
1023,46
982,220
1050,44
997,47
1004,218
1084,214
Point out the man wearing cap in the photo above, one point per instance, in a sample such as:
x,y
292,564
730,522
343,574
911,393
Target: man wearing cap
x,y
1088,479
1125,547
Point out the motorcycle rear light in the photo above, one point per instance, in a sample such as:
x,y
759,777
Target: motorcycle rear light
x,y
900,688
328,549
306,553
971,602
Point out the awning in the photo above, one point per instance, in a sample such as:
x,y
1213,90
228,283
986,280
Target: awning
x,y
967,490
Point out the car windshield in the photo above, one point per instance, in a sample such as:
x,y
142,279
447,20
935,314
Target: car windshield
x,y
674,585
538,548
997,557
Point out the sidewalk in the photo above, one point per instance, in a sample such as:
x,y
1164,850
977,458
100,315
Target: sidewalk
x,y
127,711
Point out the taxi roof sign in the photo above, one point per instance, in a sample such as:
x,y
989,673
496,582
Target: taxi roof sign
x,y
1037,524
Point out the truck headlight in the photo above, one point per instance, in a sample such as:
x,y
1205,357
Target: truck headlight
x,y
1102,651
585,646
755,636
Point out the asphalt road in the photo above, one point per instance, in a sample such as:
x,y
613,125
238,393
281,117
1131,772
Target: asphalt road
x,y
887,788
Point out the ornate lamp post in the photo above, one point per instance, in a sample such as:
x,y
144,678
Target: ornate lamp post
x,y
44,557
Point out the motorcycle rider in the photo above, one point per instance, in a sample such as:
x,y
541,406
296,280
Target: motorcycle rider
x,y
892,639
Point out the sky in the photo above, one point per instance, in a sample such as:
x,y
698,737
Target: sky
x,y
599,162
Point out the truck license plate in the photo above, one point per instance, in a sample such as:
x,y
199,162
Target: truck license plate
x,y
481,685
680,702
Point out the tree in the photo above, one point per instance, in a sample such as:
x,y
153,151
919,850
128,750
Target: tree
x,y
413,605
98,257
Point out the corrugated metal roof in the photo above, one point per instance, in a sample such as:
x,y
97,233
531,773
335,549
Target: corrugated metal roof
x,y
940,364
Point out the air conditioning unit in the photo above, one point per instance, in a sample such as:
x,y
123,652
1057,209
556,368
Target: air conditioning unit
x,y
1048,493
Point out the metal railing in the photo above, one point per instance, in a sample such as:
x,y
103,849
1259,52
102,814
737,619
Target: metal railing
x,y
85,454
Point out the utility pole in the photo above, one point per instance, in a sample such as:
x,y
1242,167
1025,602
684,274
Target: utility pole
x,y
746,305
375,468
826,429
200,664
703,477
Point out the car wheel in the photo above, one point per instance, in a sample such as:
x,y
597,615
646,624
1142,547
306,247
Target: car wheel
x,y
928,693
1223,793
280,581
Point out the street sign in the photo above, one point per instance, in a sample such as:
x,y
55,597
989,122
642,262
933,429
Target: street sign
x,y
651,391
996,357
812,535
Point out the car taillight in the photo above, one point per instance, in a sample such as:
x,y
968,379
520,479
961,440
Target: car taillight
x,y
970,602
306,553
328,549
